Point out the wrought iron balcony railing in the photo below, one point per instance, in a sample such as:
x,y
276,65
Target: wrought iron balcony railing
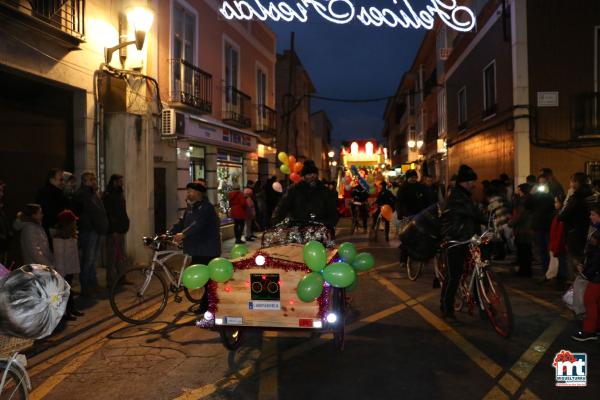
x,y
586,115
190,86
61,19
237,108
267,120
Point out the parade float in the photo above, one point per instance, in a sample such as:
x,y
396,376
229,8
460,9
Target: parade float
x,y
297,279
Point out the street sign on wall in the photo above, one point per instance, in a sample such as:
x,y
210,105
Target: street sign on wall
x,y
547,99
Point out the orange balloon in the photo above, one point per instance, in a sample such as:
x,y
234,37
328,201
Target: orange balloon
x,y
298,167
387,212
291,161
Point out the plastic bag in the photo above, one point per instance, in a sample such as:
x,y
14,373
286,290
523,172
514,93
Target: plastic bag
x,y
552,271
579,286
3,271
421,237
568,298
33,300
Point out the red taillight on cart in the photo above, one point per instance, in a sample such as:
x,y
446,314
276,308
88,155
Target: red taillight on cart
x,y
305,323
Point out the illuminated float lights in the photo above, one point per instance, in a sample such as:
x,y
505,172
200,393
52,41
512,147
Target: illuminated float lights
x,y
459,18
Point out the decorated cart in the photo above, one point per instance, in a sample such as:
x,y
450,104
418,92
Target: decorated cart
x,y
297,280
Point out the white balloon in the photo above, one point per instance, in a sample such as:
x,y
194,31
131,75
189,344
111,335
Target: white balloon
x,y
277,187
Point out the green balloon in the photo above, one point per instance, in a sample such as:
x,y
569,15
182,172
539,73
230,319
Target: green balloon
x,y
195,276
221,270
315,255
347,252
310,287
363,262
239,250
339,275
285,169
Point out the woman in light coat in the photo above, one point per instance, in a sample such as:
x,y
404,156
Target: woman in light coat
x,y
35,248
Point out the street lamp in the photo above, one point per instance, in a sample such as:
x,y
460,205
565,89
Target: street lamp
x,y
331,154
334,163
419,144
141,19
411,144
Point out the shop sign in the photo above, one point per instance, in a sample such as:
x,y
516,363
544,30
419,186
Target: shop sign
x,y
401,14
547,99
237,138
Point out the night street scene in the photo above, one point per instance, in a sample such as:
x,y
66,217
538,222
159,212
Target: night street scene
x,y
299,199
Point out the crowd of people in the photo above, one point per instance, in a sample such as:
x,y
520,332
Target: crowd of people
x,y
70,228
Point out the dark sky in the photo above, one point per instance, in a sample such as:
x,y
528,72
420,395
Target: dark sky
x,y
352,61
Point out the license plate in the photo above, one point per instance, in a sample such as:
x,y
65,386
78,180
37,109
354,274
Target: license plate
x,y
264,305
264,287
233,321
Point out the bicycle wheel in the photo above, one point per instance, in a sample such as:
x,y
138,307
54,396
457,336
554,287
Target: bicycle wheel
x,y
139,295
231,338
195,296
413,268
496,303
14,386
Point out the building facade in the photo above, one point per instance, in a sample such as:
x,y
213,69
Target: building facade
x,y
217,78
321,128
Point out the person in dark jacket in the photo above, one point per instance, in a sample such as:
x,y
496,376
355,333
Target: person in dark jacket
x,y
118,225
413,196
272,198
521,225
308,200
93,224
52,199
461,219
541,204
591,272
385,197
575,214
554,186
360,205
198,230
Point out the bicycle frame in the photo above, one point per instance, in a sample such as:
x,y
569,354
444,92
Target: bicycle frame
x,y
476,274
14,362
160,258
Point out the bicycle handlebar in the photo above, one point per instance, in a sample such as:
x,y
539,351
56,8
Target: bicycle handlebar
x,y
475,240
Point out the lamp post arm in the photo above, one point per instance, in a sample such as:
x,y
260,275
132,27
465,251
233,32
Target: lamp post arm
x,y
108,51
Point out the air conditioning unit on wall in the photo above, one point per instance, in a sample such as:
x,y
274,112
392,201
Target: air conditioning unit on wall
x,y
172,124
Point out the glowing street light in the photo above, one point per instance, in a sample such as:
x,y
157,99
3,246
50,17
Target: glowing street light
x,y
140,18
411,144
331,154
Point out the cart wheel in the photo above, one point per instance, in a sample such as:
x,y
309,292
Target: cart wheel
x,y
338,305
231,338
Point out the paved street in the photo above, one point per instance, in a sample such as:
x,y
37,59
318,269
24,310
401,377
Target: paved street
x,y
396,347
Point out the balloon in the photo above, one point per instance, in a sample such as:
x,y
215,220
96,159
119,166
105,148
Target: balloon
x,y
339,275
372,190
221,269
363,262
310,287
283,158
291,161
387,212
195,276
298,167
347,252
239,250
315,255
294,177
285,169
277,187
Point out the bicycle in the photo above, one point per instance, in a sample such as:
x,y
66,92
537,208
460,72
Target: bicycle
x,y
142,286
14,380
358,208
478,278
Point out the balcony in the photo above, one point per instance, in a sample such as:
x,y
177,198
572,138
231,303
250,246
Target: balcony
x,y
237,108
266,123
60,20
191,87
586,116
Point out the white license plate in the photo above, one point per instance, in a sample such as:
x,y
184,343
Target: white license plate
x,y
233,321
264,305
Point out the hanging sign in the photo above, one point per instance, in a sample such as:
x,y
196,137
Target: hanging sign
x,y
402,14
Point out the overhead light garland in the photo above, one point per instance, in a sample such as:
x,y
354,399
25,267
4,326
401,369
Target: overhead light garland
x,y
459,18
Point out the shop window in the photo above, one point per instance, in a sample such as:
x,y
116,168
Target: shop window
x,y
230,172
197,163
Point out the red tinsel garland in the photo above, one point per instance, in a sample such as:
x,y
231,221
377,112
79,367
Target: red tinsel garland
x,y
250,263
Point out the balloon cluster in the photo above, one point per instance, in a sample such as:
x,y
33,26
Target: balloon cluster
x,y
340,274
289,166
218,269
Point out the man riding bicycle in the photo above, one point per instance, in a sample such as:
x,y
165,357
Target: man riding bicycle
x,y
412,199
461,219
385,198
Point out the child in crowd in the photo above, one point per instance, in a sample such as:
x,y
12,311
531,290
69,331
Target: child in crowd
x,y
66,255
250,214
591,272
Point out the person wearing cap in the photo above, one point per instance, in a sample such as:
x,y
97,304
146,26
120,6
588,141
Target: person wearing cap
x,y
461,219
198,229
308,200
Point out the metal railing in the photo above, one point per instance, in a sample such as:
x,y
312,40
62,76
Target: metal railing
x,y
66,15
237,108
191,86
586,115
267,120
